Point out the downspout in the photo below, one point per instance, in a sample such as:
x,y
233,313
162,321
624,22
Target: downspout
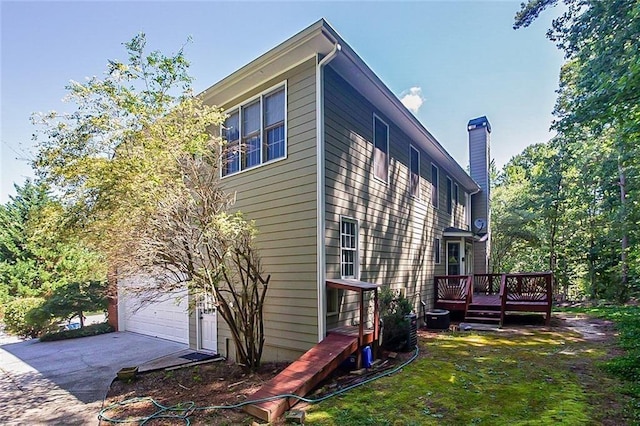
x,y
320,193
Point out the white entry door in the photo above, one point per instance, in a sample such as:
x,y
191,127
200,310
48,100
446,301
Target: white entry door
x,y
209,329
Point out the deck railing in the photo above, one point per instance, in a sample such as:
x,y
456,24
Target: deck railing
x,y
453,292
486,283
525,292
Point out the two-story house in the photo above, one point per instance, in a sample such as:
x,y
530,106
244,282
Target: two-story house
x,y
343,181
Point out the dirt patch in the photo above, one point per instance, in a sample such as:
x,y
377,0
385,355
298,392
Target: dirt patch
x,y
204,385
591,329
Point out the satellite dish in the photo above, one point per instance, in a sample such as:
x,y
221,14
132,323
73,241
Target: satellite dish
x,y
480,223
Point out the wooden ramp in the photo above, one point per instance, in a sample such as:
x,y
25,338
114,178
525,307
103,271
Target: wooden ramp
x,y
302,375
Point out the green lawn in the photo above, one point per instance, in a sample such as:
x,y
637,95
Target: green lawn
x,y
462,378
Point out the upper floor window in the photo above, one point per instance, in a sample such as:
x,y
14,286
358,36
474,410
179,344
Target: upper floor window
x,y
348,248
414,172
255,133
449,195
231,133
434,185
380,149
467,210
456,193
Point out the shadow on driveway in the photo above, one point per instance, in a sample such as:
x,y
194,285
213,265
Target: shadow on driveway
x,y
66,381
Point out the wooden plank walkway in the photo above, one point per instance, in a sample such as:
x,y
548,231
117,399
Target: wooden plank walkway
x,y
302,375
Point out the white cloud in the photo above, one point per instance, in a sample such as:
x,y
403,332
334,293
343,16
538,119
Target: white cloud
x,y
412,99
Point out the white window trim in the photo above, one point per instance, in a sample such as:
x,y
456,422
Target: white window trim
x,y
437,258
248,101
418,195
376,116
356,260
435,205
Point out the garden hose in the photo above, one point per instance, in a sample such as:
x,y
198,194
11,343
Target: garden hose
x,y
182,411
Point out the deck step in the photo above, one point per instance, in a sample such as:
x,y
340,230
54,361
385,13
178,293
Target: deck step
x,y
479,307
483,312
482,319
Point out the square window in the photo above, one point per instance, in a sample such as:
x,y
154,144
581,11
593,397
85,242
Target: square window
x,y
255,133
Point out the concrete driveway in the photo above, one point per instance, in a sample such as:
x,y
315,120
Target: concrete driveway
x,y
65,382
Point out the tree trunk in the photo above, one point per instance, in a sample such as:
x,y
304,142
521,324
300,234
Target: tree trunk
x,y
624,246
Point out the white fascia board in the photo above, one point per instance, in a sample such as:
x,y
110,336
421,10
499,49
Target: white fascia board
x,y
307,44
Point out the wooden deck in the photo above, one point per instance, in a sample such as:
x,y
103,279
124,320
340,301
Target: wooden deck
x,y
303,375
489,297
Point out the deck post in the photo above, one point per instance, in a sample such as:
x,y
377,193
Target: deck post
x,y
360,331
376,323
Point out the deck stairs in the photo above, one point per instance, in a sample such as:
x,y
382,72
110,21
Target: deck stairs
x,y
302,375
483,313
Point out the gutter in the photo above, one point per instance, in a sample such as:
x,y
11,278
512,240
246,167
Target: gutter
x,y
320,192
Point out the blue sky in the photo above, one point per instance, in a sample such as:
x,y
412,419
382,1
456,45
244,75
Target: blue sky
x,y
456,60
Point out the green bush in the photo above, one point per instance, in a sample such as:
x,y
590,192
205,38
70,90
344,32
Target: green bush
x,y
89,330
18,320
394,309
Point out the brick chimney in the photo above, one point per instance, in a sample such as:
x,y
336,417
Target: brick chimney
x,y
479,160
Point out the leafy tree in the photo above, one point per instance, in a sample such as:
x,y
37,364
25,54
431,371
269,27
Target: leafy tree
x,y
36,255
70,300
599,107
137,164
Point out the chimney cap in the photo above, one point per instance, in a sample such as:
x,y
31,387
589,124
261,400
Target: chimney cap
x,y
479,122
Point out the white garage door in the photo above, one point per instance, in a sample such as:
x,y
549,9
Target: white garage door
x,y
166,318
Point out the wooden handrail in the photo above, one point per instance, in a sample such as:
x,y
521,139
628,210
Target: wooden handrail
x,y
503,297
469,292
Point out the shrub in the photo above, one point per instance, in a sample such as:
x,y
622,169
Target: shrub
x,y
18,321
394,309
89,330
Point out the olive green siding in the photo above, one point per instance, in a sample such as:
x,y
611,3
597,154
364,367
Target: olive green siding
x,y
281,198
396,231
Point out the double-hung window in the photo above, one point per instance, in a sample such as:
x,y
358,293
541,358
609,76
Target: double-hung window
x,y
231,133
380,149
274,125
348,248
414,172
434,185
251,135
255,133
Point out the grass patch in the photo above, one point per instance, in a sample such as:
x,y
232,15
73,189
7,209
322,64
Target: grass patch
x,y
89,330
536,378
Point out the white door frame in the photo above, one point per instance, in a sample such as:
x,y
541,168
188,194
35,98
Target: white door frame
x,y
206,312
460,244
207,318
